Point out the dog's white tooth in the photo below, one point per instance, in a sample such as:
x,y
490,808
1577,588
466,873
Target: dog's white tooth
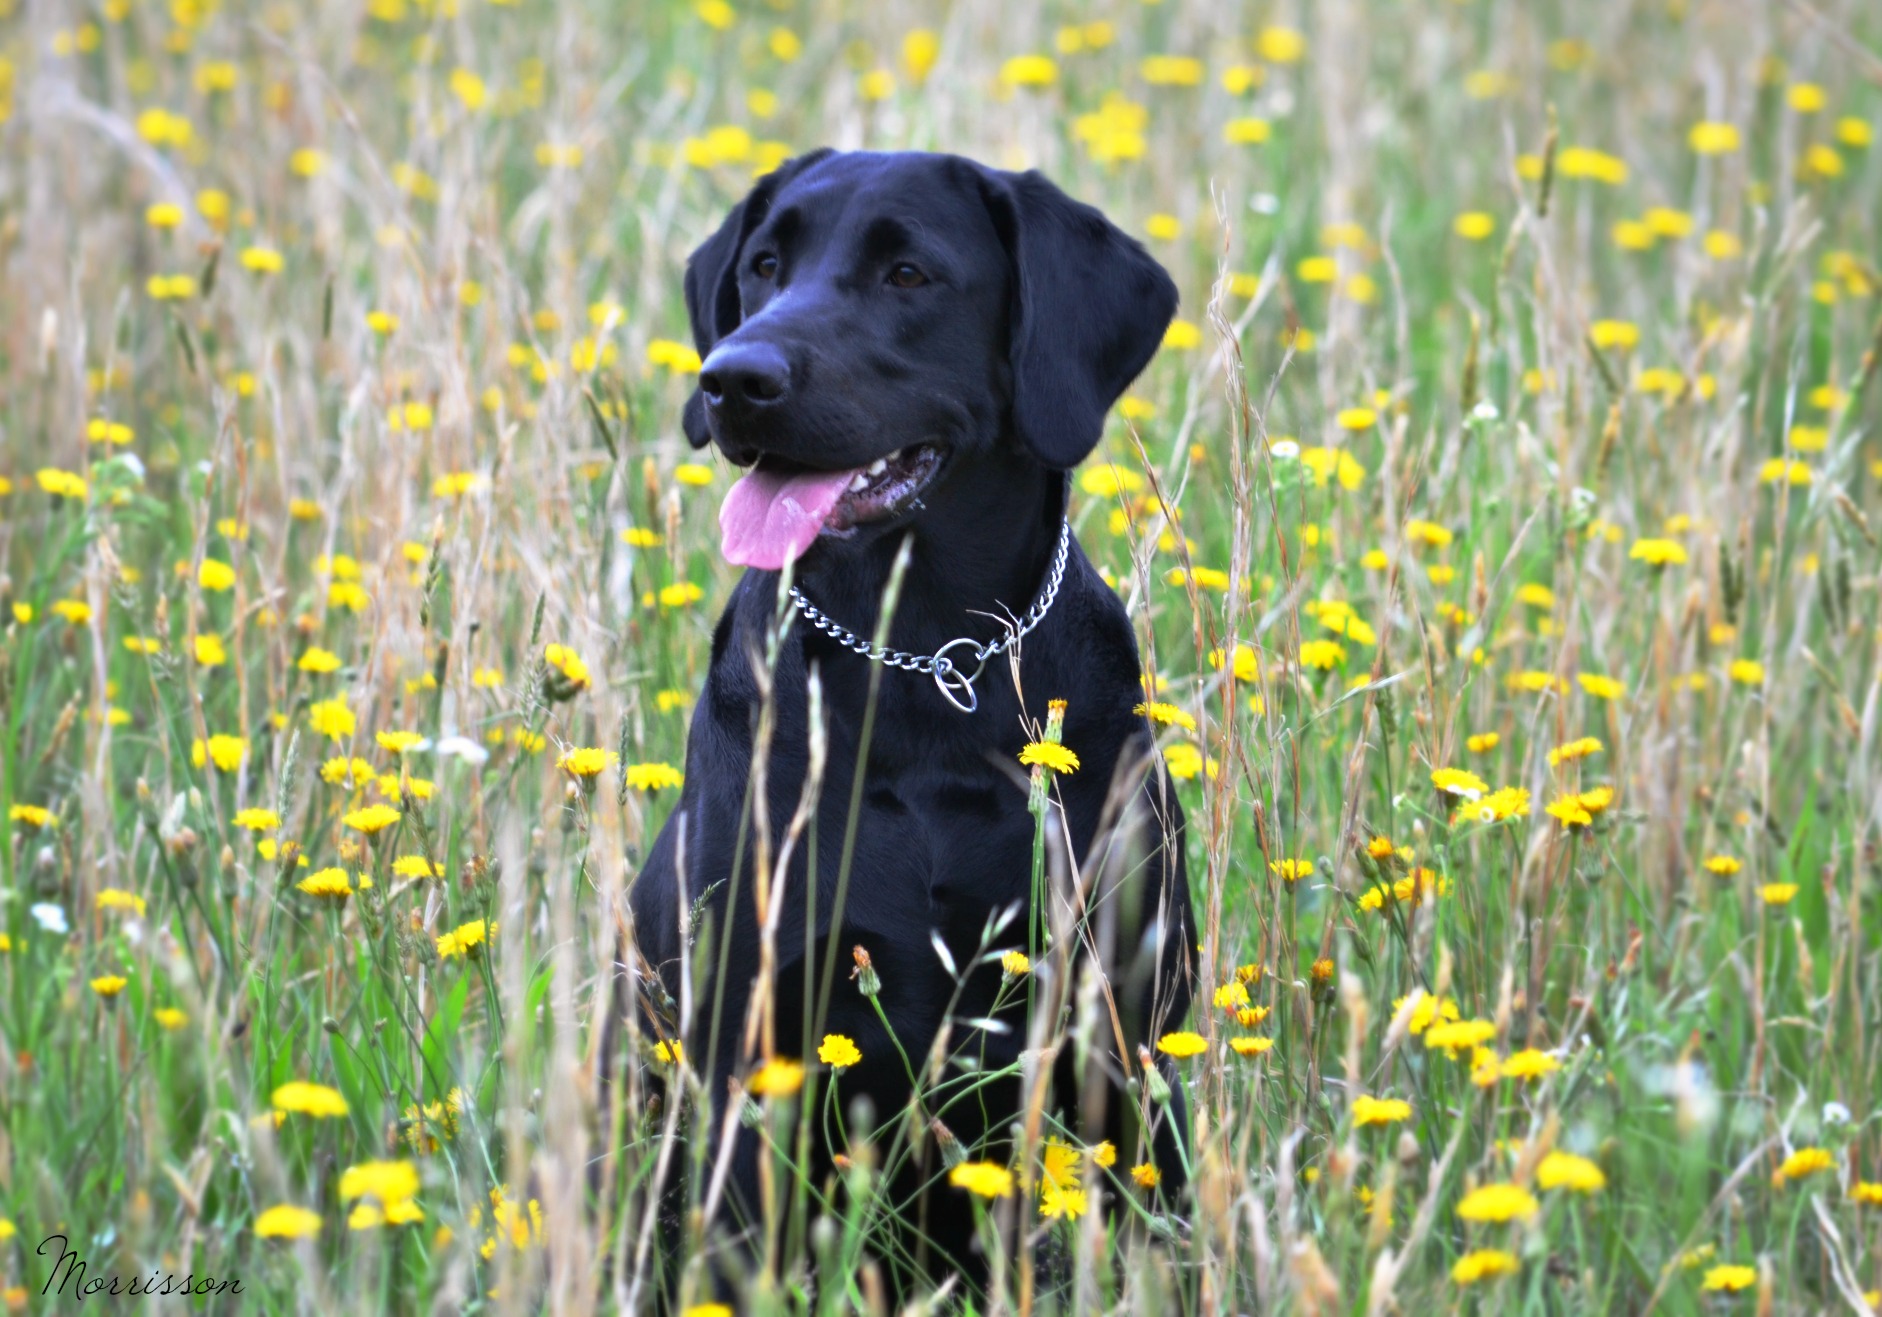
x,y
858,483
878,466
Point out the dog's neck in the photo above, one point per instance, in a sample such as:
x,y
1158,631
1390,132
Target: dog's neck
x,y
982,546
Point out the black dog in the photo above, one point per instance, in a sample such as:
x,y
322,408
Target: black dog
x,y
909,347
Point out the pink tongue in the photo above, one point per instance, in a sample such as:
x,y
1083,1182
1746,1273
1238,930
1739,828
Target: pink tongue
x,y
768,518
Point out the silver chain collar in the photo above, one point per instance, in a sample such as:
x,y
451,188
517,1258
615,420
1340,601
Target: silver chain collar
x,y
956,684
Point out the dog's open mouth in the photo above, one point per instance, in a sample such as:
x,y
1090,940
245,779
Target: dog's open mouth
x,y
775,511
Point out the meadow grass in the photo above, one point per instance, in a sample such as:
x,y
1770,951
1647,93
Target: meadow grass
x,y
1499,523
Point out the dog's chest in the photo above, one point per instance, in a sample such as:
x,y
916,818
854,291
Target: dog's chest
x,y
948,848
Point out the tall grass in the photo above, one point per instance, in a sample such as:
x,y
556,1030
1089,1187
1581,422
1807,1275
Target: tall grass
x,y
1482,302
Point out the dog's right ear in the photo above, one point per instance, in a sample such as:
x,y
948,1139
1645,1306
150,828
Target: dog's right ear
x,y
712,278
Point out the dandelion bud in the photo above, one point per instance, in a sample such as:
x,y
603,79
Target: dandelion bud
x,y
331,1025
1407,1147
144,796
227,859
823,1233
182,842
952,1153
750,1114
868,982
1158,1086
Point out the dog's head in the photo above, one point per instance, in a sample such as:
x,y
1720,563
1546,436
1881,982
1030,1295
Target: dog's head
x,y
873,324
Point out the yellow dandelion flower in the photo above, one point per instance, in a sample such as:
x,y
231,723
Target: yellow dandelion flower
x,y
1621,335
1280,45
1498,1202
285,1221
330,884
1379,1111
838,1051
36,817
1710,137
1323,655
653,776
387,1181
1290,871
1474,225
1530,1063
371,819
1564,1170
399,742
1729,1278
1458,1036
1049,755
308,1099
1483,1264
1029,71
1569,812
1784,470
1246,130
778,1079
1600,687
987,1179
1573,750
465,939
1459,782
1182,335
586,761
111,898
1182,1044
331,719
1658,552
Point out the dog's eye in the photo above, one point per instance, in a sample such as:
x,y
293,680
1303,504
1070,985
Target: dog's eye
x,y
764,265
907,276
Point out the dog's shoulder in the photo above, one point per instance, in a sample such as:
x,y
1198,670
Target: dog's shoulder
x,y
1103,658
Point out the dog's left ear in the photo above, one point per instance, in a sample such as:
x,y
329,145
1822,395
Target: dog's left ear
x,y
1089,309
712,278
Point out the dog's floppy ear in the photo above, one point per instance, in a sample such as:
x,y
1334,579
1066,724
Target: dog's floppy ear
x,y
1089,309
712,278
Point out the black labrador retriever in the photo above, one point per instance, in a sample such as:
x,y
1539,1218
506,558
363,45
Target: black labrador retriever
x,y
915,348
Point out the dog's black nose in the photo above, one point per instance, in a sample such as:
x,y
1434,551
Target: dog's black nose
x,y
744,375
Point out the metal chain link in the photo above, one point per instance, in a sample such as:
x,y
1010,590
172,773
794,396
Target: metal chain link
x,y
955,684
